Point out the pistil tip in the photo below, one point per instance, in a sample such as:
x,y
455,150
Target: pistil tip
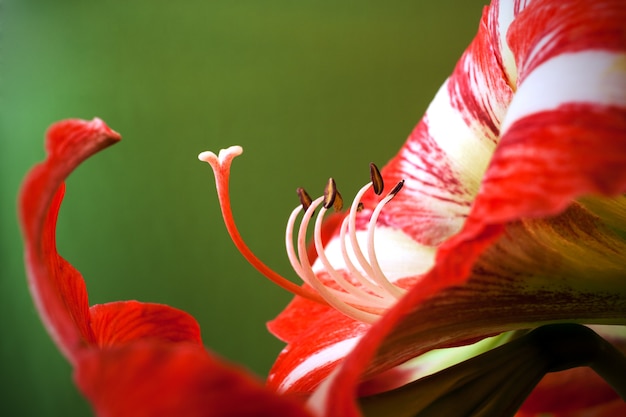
x,y
224,154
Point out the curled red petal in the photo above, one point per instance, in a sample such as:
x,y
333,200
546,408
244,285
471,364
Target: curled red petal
x,y
145,379
57,288
122,322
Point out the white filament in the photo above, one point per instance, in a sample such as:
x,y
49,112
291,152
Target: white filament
x,y
370,292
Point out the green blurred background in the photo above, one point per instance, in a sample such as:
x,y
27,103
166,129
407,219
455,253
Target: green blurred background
x,y
310,89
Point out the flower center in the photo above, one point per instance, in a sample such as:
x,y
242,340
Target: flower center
x,y
361,289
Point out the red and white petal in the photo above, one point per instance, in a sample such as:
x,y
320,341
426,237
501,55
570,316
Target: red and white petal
x,y
308,359
57,288
446,155
568,268
147,379
513,273
568,55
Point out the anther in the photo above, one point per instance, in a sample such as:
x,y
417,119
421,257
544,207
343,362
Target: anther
x,y
330,193
338,204
377,179
305,198
397,188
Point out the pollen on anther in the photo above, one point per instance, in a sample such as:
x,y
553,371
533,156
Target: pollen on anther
x,y
377,179
338,204
397,188
305,198
330,193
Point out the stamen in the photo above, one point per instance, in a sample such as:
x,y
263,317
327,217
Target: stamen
x,y
330,193
305,198
338,205
302,266
221,168
332,196
291,253
296,263
377,179
354,272
375,274
356,248
371,252
395,190
338,277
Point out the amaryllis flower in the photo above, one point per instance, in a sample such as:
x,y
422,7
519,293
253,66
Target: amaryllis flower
x,y
506,211
503,211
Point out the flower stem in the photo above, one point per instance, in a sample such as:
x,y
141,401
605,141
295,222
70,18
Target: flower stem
x,y
496,383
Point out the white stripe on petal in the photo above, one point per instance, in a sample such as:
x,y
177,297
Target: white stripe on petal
x,y
581,77
506,14
398,254
319,359
468,154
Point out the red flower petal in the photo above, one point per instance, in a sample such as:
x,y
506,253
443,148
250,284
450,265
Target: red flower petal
x,y
296,318
126,321
130,358
157,379
314,351
57,288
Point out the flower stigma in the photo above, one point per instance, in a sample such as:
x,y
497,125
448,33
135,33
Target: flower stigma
x,y
360,290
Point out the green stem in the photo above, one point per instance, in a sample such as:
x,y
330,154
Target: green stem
x,y
496,383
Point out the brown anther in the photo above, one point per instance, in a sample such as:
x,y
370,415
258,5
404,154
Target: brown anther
x,y
377,179
360,207
338,204
396,189
330,193
305,198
